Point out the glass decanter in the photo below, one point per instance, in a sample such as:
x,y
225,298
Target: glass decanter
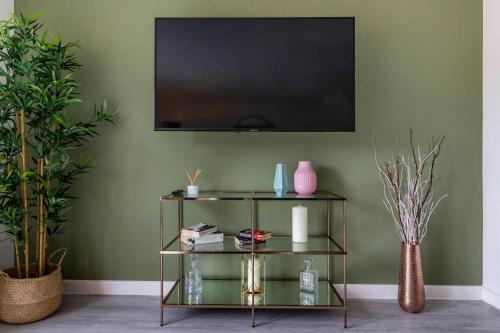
x,y
193,283
308,277
308,298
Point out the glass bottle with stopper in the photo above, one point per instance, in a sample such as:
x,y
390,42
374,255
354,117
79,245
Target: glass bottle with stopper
x,y
194,282
308,280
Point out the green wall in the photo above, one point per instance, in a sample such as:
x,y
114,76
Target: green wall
x,y
418,64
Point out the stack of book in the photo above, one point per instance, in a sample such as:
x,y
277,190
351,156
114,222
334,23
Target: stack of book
x,y
201,233
245,237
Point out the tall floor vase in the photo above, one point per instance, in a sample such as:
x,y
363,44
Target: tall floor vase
x,y
411,293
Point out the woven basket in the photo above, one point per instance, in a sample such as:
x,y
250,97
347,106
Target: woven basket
x,y
26,300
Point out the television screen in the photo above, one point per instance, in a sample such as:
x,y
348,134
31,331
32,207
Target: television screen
x,y
254,74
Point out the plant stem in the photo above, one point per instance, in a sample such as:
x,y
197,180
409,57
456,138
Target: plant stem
x,y
37,248
24,189
18,260
44,248
44,224
40,218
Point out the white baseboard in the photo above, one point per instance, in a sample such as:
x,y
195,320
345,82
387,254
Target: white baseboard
x,y
464,293
390,291
114,287
354,291
491,297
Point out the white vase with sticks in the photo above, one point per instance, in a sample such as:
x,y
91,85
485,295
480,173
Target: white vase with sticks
x,y
192,189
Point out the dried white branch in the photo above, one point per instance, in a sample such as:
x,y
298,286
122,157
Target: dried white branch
x,y
407,184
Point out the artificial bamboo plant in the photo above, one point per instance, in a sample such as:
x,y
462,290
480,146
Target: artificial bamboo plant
x,y
37,92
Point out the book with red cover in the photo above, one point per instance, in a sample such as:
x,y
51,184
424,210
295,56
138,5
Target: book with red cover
x,y
242,241
259,235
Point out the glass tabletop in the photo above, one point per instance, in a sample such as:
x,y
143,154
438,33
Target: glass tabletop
x,y
254,195
278,293
277,245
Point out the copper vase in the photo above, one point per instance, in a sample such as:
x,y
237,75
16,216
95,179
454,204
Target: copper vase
x,y
411,293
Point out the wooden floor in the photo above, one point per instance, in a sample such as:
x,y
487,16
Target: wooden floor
x,y
122,314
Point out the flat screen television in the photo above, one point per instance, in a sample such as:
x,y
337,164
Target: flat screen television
x,y
254,74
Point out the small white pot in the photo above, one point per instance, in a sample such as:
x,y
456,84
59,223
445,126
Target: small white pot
x,y
192,190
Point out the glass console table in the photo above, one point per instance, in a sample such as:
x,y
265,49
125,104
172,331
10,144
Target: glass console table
x,y
280,293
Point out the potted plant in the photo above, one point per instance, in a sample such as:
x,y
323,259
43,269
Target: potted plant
x,y
38,164
409,197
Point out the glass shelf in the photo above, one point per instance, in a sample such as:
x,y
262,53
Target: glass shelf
x,y
279,294
257,195
320,245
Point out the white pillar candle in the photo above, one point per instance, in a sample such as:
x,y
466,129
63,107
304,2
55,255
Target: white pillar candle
x,y
299,247
254,276
299,224
256,299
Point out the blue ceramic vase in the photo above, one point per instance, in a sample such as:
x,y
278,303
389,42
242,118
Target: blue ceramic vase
x,y
280,180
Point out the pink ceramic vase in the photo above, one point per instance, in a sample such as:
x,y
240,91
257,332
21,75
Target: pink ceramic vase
x,y
304,179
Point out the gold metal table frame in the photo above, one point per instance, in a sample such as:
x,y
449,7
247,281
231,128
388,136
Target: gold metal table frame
x,y
334,300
